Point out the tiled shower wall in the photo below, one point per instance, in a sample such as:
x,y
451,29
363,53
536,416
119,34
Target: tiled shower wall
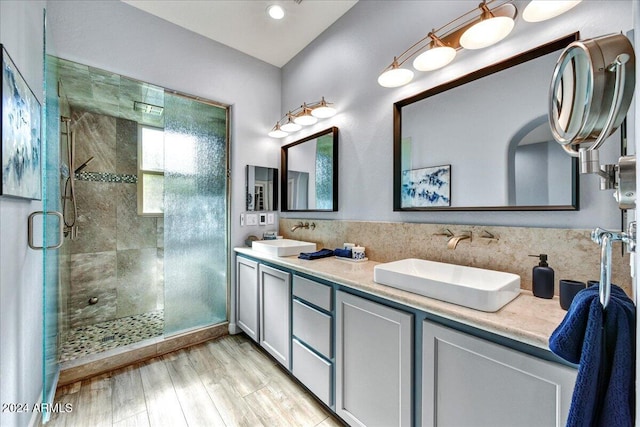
x,y
117,256
571,252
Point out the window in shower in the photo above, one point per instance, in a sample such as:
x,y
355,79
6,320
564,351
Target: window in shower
x,y
150,171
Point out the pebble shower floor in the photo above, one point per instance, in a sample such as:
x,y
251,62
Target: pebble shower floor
x,y
87,340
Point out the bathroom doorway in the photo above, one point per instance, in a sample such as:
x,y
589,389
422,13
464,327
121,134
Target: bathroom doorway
x,y
141,180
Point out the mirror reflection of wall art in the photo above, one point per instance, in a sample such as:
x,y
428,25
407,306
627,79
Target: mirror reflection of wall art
x,y
426,187
21,135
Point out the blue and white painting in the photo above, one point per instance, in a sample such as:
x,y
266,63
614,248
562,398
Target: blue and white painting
x,y
426,187
21,135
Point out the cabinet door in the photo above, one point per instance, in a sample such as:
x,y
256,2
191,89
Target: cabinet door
x,y
275,312
247,296
468,381
374,348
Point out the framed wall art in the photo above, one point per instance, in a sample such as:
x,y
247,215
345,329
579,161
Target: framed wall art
x,y
21,135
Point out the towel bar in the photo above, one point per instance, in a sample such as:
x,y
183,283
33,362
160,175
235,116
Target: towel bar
x,y
606,239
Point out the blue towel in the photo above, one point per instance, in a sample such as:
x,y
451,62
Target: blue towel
x,y
322,253
344,253
603,343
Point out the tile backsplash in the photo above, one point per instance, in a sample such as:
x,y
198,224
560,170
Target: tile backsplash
x,y
571,252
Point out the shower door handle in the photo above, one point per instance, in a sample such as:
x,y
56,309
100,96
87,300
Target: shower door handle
x,y
30,230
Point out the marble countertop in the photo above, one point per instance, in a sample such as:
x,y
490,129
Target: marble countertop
x,y
527,319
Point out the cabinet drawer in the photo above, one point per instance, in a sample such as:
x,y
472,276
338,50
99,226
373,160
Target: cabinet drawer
x,y
312,327
313,292
312,371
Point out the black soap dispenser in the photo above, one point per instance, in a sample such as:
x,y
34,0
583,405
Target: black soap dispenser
x,y
543,278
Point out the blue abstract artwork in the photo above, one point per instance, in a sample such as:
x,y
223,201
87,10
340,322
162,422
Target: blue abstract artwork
x,y
426,187
21,135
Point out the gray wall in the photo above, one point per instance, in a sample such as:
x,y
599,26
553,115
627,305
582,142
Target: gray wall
x,y
21,33
343,65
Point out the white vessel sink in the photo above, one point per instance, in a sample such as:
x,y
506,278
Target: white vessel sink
x,y
283,247
476,288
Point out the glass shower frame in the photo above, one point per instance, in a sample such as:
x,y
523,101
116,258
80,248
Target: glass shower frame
x,y
52,321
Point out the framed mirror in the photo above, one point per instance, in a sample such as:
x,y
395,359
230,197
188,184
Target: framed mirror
x,y
483,141
261,188
309,179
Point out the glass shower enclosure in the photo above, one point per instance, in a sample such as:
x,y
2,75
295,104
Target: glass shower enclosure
x,y
146,247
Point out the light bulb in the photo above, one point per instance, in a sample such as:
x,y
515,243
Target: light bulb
x,y
277,132
275,11
323,111
538,10
291,127
395,77
487,32
434,58
305,119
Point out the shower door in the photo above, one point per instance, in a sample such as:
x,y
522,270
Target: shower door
x,y
51,233
196,240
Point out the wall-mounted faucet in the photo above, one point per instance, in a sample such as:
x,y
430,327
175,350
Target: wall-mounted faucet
x,y
453,241
489,237
445,232
305,225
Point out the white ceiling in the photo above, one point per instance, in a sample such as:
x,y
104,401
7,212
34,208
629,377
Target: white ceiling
x,y
244,24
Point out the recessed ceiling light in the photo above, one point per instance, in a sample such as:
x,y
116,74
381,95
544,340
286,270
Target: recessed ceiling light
x,y
275,11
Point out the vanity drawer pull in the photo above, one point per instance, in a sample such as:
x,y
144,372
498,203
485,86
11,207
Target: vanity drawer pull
x,y
312,327
313,292
313,371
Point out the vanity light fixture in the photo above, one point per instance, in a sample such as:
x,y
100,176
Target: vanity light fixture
x,y
307,114
290,126
276,132
395,76
541,10
490,22
305,118
489,30
436,57
323,111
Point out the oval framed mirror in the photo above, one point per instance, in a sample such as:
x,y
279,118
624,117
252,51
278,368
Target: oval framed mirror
x,y
309,178
482,142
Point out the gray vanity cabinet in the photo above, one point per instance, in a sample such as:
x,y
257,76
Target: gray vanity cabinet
x,y
312,337
275,313
470,381
374,348
247,298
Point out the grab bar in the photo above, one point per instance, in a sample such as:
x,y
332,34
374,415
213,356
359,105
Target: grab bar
x,y
30,230
605,239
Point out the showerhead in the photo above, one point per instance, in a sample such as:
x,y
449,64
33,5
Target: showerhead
x,y
143,107
82,166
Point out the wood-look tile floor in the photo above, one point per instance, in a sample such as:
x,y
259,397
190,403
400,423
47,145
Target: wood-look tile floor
x,y
227,382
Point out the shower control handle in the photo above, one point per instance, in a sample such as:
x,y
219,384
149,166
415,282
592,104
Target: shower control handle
x,y
30,230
